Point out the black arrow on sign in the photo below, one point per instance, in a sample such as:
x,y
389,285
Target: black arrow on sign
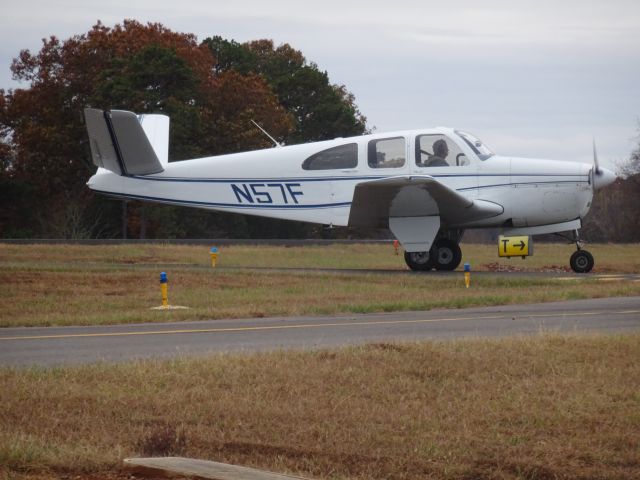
x,y
521,245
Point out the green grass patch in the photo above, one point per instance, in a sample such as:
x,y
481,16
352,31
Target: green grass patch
x,y
92,285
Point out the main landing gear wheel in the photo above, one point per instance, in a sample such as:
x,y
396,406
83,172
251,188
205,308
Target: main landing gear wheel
x,y
581,261
447,254
419,261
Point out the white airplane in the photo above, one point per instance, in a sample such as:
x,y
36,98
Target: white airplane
x,y
427,186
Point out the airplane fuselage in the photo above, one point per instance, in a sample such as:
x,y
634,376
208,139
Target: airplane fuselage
x,y
273,182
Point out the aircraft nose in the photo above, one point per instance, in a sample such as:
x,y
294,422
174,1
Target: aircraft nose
x,y
603,177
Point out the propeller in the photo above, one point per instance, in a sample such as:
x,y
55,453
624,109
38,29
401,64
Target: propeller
x,y
601,177
596,167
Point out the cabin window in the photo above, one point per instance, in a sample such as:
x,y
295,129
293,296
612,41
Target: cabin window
x,y
387,153
343,156
438,151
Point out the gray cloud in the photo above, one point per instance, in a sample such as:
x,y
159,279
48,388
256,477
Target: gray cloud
x,y
534,78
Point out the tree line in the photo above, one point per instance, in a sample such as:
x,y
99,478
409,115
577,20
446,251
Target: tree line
x,y
211,89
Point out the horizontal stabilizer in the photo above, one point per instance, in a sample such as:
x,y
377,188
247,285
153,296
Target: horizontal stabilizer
x,y
119,143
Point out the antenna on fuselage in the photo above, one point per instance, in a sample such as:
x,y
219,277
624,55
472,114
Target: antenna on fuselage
x,y
277,144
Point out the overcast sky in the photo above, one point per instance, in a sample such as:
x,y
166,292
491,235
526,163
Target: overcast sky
x,y
531,78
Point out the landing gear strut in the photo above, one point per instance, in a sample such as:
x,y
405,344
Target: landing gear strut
x,y
445,255
581,261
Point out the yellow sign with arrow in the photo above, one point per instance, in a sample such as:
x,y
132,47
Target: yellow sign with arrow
x,y
520,246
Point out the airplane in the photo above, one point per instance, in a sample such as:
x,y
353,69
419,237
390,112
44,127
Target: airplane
x,y
427,186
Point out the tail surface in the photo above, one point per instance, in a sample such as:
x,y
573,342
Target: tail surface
x,y
128,144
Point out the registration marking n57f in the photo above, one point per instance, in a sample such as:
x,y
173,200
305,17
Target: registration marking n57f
x,y
267,192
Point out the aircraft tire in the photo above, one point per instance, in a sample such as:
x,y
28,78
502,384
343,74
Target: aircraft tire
x,y
419,261
581,261
447,254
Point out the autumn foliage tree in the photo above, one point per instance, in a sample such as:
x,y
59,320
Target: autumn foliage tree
x,y
320,110
143,68
615,211
632,165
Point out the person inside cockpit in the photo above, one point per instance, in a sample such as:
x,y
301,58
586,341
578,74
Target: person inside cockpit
x,y
440,152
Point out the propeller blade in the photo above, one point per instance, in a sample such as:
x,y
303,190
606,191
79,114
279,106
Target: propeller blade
x,y
600,177
597,169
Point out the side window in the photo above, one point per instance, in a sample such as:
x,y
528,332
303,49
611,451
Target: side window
x,y
343,156
387,153
438,151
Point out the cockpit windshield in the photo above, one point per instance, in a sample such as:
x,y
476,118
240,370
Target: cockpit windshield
x,y
480,149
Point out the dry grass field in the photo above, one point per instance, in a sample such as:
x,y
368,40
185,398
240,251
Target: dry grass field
x,y
618,258
536,408
540,408
84,285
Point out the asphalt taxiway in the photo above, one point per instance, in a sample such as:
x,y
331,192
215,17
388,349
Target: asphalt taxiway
x,y
53,346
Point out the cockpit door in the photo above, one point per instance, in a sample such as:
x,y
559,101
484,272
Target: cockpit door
x,y
444,158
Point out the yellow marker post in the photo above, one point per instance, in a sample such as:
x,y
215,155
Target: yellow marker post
x,y
467,275
164,289
519,246
214,256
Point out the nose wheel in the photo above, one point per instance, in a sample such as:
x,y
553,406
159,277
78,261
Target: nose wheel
x,y
581,261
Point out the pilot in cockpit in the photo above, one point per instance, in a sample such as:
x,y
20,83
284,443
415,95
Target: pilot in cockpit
x,y
440,152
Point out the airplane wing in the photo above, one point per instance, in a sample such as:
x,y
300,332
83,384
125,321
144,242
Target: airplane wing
x,y
375,201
